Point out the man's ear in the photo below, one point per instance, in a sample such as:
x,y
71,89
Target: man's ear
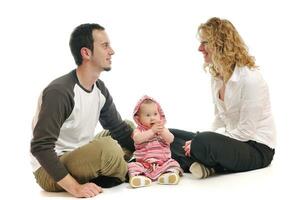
x,y
85,53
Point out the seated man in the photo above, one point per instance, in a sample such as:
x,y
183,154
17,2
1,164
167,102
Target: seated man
x,y
65,155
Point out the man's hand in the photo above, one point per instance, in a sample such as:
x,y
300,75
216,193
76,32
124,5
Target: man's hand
x,y
87,190
73,187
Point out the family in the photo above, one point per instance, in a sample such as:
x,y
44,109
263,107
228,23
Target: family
x,y
66,156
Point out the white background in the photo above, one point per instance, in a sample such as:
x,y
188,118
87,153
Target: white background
x,y
156,54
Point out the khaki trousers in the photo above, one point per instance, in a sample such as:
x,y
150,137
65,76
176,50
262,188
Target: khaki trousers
x,y
102,156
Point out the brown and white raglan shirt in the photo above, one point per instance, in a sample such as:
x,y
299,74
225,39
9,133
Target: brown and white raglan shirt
x,y
66,118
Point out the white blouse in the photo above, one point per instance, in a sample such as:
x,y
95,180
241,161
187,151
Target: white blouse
x,y
245,114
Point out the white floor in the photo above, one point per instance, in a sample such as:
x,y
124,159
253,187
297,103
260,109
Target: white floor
x,y
269,183
162,42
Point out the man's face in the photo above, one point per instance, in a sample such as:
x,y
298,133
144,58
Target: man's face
x,y
102,51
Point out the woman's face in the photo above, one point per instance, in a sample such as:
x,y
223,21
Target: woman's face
x,y
204,49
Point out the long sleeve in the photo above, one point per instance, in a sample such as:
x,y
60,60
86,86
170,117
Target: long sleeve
x,y
217,123
167,136
53,112
110,119
140,137
253,97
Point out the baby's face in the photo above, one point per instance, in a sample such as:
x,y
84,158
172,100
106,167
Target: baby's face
x,y
148,114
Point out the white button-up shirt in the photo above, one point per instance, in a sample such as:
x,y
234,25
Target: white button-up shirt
x,y
245,114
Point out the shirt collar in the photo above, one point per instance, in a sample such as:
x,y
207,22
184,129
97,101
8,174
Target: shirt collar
x,y
237,73
234,77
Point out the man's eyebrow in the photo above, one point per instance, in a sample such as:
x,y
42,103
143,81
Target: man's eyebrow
x,y
104,43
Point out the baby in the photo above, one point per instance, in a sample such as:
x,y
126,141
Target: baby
x,y
152,147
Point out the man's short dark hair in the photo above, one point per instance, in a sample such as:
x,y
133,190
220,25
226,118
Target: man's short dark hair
x,y
82,37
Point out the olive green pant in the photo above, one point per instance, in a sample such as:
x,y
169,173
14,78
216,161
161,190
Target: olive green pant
x,y
102,156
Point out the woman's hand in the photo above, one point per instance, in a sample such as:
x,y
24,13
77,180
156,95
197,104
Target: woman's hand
x,y
187,148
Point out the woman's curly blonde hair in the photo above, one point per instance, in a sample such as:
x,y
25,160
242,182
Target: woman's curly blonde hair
x,y
228,49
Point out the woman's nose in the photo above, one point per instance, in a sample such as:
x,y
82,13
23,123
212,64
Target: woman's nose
x,y
201,48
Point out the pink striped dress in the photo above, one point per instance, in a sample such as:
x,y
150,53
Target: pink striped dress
x,y
153,157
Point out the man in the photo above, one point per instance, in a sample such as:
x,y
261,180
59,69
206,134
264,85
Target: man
x,y
65,154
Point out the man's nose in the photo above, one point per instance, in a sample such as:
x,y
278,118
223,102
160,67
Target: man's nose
x,y
112,52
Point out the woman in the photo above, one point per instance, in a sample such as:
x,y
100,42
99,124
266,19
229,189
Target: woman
x,y
242,109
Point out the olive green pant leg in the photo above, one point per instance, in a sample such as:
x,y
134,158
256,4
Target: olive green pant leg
x,y
102,156
127,154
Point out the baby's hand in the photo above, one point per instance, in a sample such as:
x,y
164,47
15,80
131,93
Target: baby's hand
x,y
157,127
